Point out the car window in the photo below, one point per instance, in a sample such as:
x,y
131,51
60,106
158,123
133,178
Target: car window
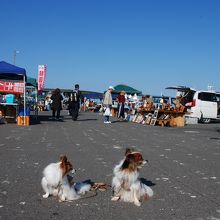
x,y
156,99
207,96
187,97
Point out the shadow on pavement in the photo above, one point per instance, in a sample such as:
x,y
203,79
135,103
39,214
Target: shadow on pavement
x,y
147,182
88,119
40,118
214,138
118,121
43,118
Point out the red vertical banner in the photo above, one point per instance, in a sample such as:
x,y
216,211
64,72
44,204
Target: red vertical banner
x,y
41,76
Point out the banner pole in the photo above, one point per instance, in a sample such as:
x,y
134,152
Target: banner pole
x,y
24,102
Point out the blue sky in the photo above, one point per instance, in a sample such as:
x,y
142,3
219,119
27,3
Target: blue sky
x,y
146,44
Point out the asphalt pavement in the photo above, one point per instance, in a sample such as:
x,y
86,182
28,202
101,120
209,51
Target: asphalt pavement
x,y
183,169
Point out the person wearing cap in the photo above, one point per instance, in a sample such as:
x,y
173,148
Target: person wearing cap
x,y
107,103
74,102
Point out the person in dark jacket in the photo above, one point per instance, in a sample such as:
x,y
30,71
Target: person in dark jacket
x,y
74,102
56,103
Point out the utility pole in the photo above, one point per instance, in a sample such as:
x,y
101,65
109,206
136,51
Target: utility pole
x,y
15,53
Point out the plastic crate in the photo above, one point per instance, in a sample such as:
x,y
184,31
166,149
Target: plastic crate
x,y
21,119
10,98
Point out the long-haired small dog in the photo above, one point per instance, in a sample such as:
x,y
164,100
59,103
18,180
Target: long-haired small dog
x,y
55,180
126,184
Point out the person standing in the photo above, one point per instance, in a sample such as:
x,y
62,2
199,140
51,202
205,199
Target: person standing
x,y
47,103
121,105
74,102
107,103
56,104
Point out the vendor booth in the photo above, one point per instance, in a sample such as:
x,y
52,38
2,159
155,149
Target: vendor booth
x,y
164,114
12,87
131,95
32,91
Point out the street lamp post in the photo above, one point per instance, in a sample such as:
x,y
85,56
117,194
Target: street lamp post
x,y
15,53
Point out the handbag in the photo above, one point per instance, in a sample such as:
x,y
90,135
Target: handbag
x,y
107,112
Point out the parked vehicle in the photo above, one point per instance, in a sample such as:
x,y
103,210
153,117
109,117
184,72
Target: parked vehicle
x,y
167,99
218,102
204,105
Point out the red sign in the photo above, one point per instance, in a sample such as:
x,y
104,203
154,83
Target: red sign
x,y
12,87
41,76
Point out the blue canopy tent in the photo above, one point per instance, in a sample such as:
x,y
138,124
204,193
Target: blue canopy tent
x,y
93,95
9,72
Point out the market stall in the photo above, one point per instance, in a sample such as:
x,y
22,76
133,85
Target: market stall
x,y
131,95
161,117
12,82
31,86
164,114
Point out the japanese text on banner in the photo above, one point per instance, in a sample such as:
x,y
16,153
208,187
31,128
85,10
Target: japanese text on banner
x,y
12,87
41,76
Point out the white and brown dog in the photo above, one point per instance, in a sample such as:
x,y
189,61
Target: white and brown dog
x,y
55,180
126,184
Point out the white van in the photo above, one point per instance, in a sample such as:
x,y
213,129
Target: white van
x,y
204,105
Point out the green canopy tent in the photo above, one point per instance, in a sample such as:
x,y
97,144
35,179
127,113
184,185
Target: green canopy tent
x,y
31,82
127,89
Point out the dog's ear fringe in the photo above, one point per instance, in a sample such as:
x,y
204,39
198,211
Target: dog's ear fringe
x,y
125,164
63,158
128,151
128,160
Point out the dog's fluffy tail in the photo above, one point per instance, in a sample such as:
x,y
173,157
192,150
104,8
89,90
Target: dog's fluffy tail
x,y
149,191
82,187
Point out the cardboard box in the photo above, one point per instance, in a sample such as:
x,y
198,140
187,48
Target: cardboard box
x,y
178,121
21,119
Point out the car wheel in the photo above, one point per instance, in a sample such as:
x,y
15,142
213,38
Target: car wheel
x,y
205,120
